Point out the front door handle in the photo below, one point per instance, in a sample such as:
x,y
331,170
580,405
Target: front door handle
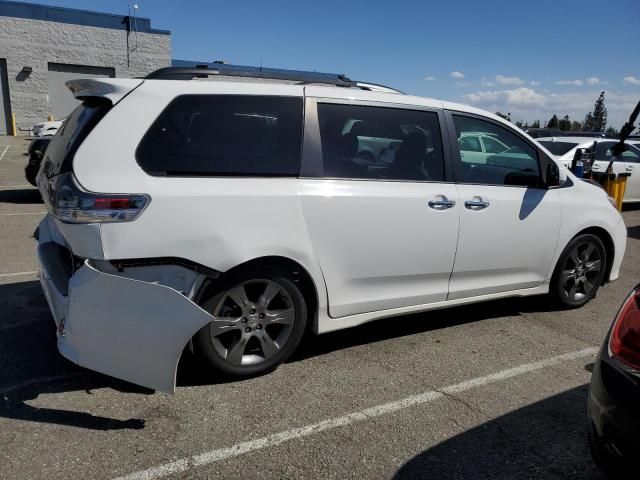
x,y
630,168
441,204
476,204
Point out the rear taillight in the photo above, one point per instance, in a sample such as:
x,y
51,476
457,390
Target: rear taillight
x,y
624,344
69,203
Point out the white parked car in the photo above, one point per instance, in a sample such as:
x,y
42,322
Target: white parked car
x,y
233,214
46,129
565,148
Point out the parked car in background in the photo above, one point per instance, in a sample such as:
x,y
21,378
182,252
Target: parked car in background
x,y
560,146
629,162
476,147
553,132
36,151
235,215
614,395
47,129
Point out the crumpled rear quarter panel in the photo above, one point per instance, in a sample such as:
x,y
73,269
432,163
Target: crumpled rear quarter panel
x,y
129,329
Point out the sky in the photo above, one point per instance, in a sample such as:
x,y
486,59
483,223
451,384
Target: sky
x,y
531,59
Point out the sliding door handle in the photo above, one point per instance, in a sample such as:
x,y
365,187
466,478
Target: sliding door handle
x,y
476,204
442,204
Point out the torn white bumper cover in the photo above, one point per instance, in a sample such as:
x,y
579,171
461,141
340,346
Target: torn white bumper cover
x,y
126,328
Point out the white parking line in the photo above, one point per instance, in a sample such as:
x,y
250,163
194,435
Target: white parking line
x,y
22,213
185,464
22,323
17,274
14,187
37,381
4,152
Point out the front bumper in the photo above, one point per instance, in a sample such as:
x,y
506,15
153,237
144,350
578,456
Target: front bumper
x,y
129,329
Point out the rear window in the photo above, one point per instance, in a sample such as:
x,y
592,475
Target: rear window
x,y
219,135
558,148
71,134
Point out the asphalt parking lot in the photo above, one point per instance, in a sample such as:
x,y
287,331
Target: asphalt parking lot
x,y
496,390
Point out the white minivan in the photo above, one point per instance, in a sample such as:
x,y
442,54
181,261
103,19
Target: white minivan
x,y
230,211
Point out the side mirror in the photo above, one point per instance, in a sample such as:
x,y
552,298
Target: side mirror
x,y
553,175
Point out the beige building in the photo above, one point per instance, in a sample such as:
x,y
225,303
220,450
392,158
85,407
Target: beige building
x,y
41,47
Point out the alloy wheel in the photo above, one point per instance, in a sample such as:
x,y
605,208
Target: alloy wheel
x,y
581,271
252,322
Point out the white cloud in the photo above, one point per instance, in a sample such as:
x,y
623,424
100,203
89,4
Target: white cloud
x,y
502,80
429,78
534,83
529,104
593,81
577,83
631,80
518,97
487,83
456,74
463,84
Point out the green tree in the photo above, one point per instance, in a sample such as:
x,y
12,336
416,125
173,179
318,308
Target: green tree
x,y
612,131
520,124
502,115
596,120
565,123
553,123
536,124
576,126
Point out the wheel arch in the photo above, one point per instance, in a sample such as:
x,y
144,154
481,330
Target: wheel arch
x,y
607,241
273,264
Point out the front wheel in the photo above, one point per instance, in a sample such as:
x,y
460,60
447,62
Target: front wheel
x,y
580,271
257,324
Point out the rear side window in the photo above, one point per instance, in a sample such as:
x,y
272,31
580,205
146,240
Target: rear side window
x,y
60,152
218,135
604,152
470,144
367,142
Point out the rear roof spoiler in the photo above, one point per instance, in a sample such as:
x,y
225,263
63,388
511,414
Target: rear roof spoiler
x,y
113,89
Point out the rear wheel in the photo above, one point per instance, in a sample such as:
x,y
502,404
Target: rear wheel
x,y
258,323
580,271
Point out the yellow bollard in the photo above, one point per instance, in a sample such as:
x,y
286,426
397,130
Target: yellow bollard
x,y
615,185
14,130
50,118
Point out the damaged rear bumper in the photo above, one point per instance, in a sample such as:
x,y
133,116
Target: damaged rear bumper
x,y
124,327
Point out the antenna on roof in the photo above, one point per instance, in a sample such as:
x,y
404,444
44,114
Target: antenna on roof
x,y
129,26
135,26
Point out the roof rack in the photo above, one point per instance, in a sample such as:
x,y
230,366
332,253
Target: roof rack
x,y
204,71
302,77
376,87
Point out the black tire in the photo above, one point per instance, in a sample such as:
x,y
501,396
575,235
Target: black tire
x,y
208,342
580,257
30,173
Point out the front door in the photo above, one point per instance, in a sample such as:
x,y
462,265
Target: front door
x,y
509,223
384,227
